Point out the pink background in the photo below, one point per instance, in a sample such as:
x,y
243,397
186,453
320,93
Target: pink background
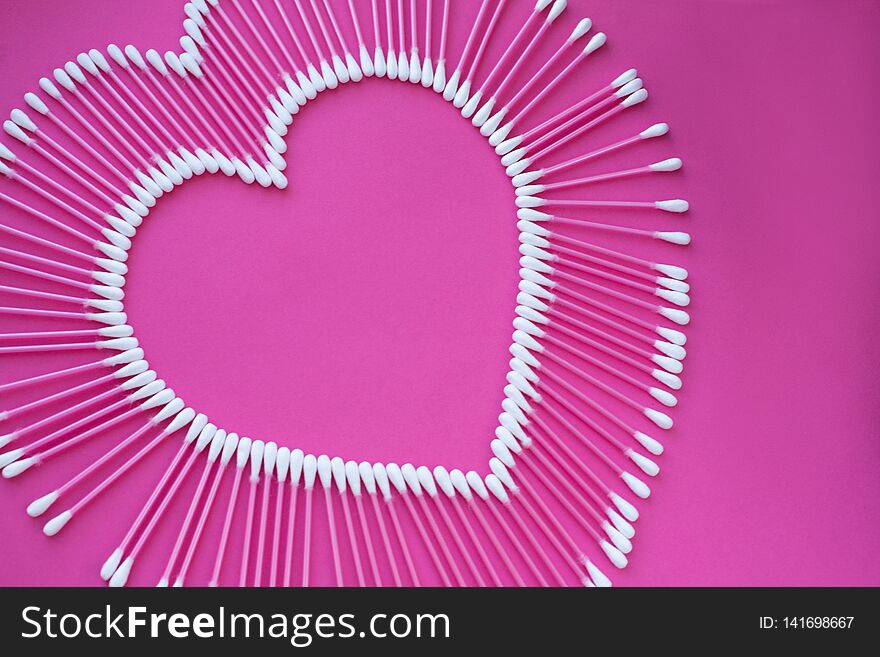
x,y
365,311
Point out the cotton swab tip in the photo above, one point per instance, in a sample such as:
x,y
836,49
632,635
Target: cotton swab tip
x,y
614,555
11,456
626,509
650,444
17,467
57,523
660,419
636,485
39,506
120,577
645,464
599,578
673,205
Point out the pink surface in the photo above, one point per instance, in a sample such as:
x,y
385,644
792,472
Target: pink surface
x,y
365,311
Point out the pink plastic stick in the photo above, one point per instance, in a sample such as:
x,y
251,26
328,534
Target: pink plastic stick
x,y
511,536
276,533
9,230
368,540
200,525
291,526
514,43
386,542
438,536
51,376
352,539
248,531
473,35
307,537
334,541
463,519
456,536
426,539
493,538
472,71
401,539
227,526
261,536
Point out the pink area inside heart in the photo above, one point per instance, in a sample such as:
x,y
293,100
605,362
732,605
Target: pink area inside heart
x,y
321,316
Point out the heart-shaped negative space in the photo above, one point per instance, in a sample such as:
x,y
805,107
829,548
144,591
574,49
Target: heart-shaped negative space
x,y
364,310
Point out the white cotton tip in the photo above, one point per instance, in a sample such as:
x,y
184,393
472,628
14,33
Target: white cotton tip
x,y
508,145
111,278
274,158
327,74
671,352
292,95
427,78
595,43
444,481
207,161
107,291
530,190
258,447
11,456
17,467
490,124
512,393
626,509
179,165
648,443
599,578
306,86
614,555
673,284
415,68
439,84
624,78
49,87
380,474
532,239
671,164
227,168
149,185
667,378
402,67
672,271
530,301
120,577
672,335
340,70
23,120
657,417
57,523
15,131
337,467
502,452
135,56
636,485
106,305
523,201
391,64
525,179
523,338
275,123
620,523
367,67
275,140
325,470
639,96
514,410
426,480
353,477
117,239
355,74
664,397
278,179
6,170
518,167
501,134
620,541
243,170
39,506
513,157
260,174
629,88
36,103
584,26
379,65
462,95
451,87
125,227
163,583
494,485
680,317
367,477
124,358
7,155
315,78
645,464
674,205
557,8
160,179
111,564
477,485
471,106
112,266
678,298
459,481
194,163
